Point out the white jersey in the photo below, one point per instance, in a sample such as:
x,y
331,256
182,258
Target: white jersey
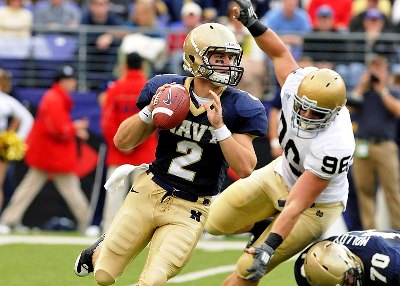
x,y
328,155
9,106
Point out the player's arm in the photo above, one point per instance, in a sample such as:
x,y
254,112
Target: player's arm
x,y
237,148
133,131
268,41
239,152
284,63
137,128
303,194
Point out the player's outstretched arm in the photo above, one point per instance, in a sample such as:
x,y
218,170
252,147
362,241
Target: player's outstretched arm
x,y
267,40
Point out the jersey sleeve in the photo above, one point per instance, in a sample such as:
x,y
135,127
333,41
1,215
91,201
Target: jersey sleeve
x,y
146,94
252,114
327,161
151,86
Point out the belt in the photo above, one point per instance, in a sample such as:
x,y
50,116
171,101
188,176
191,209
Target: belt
x,y
172,192
375,140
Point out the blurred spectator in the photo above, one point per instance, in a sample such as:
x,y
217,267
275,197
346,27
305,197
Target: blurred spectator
x,y
15,19
101,46
395,80
52,154
57,13
191,17
146,41
290,22
360,6
161,12
396,13
13,117
396,17
373,40
288,18
341,12
376,156
357,21
15,30
118,103
325,44
121,8
395,83
253,60
144,15
216,10
174,9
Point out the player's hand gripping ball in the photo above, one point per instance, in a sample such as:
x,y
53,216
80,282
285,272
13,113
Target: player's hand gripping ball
x,y
171,107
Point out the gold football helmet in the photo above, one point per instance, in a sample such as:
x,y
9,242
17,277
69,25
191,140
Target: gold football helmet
x,y
330,264
204,41
324,93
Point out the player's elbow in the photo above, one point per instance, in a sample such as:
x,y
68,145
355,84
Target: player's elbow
x,y
245,171
244,174
121,143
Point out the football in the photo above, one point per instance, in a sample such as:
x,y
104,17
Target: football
x,y
171,106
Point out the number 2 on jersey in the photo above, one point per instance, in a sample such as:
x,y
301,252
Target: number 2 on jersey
x,y
192,154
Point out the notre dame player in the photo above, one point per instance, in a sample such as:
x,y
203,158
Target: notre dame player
x,y
168,204
305,190
359,258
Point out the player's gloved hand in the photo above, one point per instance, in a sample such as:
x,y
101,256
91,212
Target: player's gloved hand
x,y
262,256
247,15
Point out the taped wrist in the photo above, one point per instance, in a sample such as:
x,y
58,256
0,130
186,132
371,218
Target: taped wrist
x,y
145,115
257,29
222,133
274,240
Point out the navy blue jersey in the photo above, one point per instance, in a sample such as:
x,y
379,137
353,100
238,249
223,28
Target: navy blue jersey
x,y
378,250
188,157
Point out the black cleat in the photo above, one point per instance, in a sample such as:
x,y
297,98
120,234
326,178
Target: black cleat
x,y
83,264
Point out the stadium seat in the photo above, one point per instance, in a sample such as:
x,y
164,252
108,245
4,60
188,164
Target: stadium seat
x,y
54,47
15,67
15,47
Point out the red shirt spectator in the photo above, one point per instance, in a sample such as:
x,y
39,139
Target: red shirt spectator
x,y
54,133
342,12
119,104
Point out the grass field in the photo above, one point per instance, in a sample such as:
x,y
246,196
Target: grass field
x,y
47,259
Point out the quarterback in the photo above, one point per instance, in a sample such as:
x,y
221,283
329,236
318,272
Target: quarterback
x,y
359,258
169,202
304,190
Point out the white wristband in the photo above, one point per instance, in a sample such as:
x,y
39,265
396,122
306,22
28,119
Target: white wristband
x,y
222,133
274,143
145,115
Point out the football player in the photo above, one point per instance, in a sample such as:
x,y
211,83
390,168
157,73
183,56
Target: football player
x,y
168,204
306,188
367,258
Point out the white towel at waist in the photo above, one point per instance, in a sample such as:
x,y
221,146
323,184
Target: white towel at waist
x,y
117,180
